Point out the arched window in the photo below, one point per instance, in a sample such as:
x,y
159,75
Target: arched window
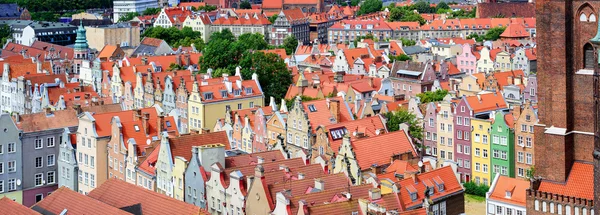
x,y
588,56
592,18
537,205
567,210
544,208
559,209
583,17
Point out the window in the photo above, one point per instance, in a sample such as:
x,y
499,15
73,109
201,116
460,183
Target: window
x,y
529,142
92,180
485,153
239,106
51,160
503,141
39,178
521,172
467,121
39,197
588,55
485,139
11,147
449,141
50,142
523,127
459,120
520,141
477,138
38,144
459,135
38,162
92,162
430,122
529,158
485,168
477,167
86,160
467,164
520,157
1,149
1,186
467,135
12,184
477,152
50,177
12,166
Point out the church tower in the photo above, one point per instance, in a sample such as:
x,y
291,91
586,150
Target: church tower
x,y
81,49
565,135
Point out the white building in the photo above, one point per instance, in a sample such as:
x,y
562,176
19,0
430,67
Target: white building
x,y
507,196
121,7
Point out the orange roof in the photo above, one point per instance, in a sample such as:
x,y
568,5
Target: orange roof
x,y
580,183
404,25
41,121
494,52
177,14
395,48
515,30
294,15
217,89
400,167
504,78
258,20
192,4
25,67
323,115
420,211
73,202
103,120
368,126
149,41
119,194
516,187
352,54
444,175
272,4
182,146
148,165
452,69
252,158
531,54
486,102
11,207
279,52
367,151
299,187
107,51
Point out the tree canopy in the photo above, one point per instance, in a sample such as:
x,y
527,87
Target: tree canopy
x,y
128,16
405,14
493,34
401,57
432,96
442,5
5,33
290,44
407,42
151,11
395,118
354,3
173,36
370,6
55,6
245,5
273,18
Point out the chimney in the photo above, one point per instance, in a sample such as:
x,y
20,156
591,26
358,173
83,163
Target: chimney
x,y
210,154
178,59
48,111
411,174
334,108
375,194
260,159
319,184
77,108
159,124
259,171
300,176
17,117
187,59
145,125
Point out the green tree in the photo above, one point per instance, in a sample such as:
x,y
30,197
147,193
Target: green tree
x,y
354,3
245,5
423,7
442,5
370,6
494,33
220,71
290,102
219,53
128,16
5,33
290,43
225,34
174,67
273,18
250,41
151,11
413,17
273,74
360,38
395,118
401,57
407,42
432,96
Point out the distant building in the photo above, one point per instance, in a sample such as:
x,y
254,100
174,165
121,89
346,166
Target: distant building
x,y
26,32
13,12
306,6
90,19
505,9
121,7
123,34
11,160
152,46
347,31
288,23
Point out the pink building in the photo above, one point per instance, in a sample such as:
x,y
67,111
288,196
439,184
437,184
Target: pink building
x,y
466,62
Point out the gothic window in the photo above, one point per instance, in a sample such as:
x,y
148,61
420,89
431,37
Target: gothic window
x,y
583,17
592,18
588,56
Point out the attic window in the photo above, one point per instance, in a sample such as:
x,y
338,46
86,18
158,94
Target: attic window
x,y
237,92
137,128
223,93
508,194
208,96
312,108
249,90
77,97
338,133
168,124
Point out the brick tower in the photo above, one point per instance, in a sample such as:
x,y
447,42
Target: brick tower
x,y
564,135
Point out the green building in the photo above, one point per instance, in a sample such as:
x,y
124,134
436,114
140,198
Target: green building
x,y
503,145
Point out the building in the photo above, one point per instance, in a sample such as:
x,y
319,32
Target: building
x,y
445,131
14,12
26,32
65,199
462,138
256,23
526,60
152,46
440,186
525,119
505,9
90,19
81,50
41,136
122,34
507,196
320,23
121,7
305,6
205,100
466,61
408,30
503,145
290,22
201,23
68,168
347,31
11,160
480,157
172,17
411,78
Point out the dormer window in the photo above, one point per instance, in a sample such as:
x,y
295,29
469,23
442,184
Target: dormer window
x,y
358,26
224,94
136,127
508,194
237,92
248,90
168,124
208,96
312,108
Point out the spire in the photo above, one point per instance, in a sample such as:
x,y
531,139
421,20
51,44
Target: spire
x,y
81,43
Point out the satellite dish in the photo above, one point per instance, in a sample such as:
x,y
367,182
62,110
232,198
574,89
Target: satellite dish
x,y
420,163
148,141
18,182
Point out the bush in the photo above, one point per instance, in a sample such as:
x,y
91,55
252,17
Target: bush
x,y
474,189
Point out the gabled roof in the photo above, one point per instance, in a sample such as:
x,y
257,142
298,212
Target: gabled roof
x,y
252,158
293,15
515,30
516,188
508,77
579,184
74,203
107,51
367,151
11,207
299,187
323,115
486,102
444,175
248,20
119,194
368,126
329,196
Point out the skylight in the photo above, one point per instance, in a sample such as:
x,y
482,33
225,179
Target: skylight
x,y
137,128
312,108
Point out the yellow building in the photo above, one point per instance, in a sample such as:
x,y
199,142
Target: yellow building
x,y
200,23
178,173
468,86
16,196
207,102
480,156
502,60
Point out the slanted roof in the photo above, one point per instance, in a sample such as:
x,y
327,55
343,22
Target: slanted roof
x,y
444,175
107,51
42,121
119,194
516,188
74,203
182,146
367,150
486,102
252,158
11,207
579,184
368,126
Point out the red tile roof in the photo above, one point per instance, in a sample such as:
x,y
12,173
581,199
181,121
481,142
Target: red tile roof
x,y
579,184
148,165
367,151
486,102
63,50
11,207
177,14
252,158
376,24
404,25
329,196
506,9
41,121
443,175
279,52
119,194
516,187
151,41
300,187
323,115
508,77
182,146
272,4
75,203
24,67
515,30
246,21
294,15
103,120
107,51
368,126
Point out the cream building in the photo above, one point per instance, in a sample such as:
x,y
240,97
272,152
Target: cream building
x,y
200,23
485,62
122,34
468,86
503,61
445,130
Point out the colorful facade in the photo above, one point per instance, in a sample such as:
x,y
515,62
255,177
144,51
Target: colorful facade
x,y
480,157
503,149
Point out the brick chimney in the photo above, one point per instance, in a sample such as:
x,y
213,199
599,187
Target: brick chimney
x,y
334,108
411,174
145,119
319,184
375,194
159,124
77,108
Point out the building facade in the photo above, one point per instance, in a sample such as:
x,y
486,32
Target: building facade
x,y
121,7
290,23
502,147
11,160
